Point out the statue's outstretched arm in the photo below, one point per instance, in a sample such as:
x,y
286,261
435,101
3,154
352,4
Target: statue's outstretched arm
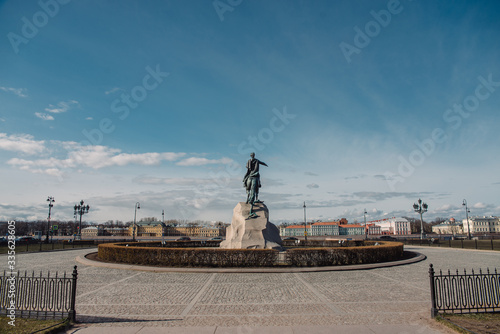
x,y
263,163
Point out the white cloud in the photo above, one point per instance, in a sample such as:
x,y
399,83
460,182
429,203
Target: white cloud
x,y
50,163
45,117
101,156
312,186
76,156
171,181
193,161
444,208
21,92
89,118
21,143
112,90
62,106
479,205
72,155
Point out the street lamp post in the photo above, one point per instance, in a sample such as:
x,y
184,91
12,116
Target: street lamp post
x,y
366,230
467,216
421,207
74,234
81,209
137,206
305,223
51,200
163,226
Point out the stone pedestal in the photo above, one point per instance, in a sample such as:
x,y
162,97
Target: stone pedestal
x,y
252,233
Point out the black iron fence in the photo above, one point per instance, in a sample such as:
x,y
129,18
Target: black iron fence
x,y
464,293
42,297
489,243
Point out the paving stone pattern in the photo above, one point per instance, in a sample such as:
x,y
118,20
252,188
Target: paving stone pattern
x,y
385,296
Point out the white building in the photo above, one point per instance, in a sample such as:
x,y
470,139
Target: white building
x,y
374,229
396,226
92,231
482,225
327,228
334,228
448,227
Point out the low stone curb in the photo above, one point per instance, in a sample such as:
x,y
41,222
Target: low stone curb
x,y
417,258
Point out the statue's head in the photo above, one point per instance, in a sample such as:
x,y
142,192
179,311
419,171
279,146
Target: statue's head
x,y
252,155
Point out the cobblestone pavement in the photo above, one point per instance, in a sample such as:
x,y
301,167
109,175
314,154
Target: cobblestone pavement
x,y
385,296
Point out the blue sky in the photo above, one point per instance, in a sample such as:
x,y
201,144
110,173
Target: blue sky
x,y
352,104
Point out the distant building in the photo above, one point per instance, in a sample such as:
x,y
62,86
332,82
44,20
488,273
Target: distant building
x,y
326,228
92,231
373,229
482,225
194,231
334,228
158,229
351,229
117,231
147,229
295,230
448,227
395,226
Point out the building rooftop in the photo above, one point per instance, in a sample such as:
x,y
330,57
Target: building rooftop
x,y
150,223
295,226
326,223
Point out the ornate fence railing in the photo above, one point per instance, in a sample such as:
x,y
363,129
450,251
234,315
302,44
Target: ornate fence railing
x,y
38,296
464,293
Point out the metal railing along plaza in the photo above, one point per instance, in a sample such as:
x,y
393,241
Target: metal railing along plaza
x,y
42,297
464,293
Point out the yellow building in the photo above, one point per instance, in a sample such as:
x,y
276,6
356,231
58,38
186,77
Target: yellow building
x,y
92,231
147,229
193,231
158,229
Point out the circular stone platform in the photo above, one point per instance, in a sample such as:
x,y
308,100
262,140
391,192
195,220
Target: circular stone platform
x,y
91,260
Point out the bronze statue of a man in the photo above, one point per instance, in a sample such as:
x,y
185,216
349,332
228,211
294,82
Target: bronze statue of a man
x,y
251,181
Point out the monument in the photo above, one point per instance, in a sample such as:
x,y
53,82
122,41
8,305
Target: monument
x,y
250,227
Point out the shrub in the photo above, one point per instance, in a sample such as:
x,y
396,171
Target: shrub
x,y
313,257
187,257
147,254
176,244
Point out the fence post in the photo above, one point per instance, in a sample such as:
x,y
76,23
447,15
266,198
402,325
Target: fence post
x,y
475,241
433,293
491,243
72,312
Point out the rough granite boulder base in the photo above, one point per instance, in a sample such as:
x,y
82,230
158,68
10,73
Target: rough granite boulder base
x,y
252,233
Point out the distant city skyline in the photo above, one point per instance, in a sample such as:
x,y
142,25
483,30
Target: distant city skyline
x,y
353,105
